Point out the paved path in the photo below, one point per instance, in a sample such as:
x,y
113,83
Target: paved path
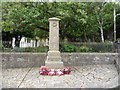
x,y
90,76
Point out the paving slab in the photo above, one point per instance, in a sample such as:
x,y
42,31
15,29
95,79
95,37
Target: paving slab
x,y
33,79
84,76
13,77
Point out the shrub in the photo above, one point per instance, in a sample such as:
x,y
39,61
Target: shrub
x,y
88,47
102,47
83,49
72,47
40,49
1,47
27,49
31,49
67,48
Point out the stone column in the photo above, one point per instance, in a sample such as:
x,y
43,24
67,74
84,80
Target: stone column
x,y
54,58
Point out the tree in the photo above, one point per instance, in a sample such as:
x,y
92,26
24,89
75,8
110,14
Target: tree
x,y
19,20
89,21
104,17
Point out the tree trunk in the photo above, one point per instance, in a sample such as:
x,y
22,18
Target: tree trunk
x,y
102,36
114,24
17,40
65,39
36,43
85,38
93,38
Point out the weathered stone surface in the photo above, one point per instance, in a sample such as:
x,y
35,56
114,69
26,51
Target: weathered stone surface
x,y
11,60
54,57
90,76
33,80
19,60
54,34
12,78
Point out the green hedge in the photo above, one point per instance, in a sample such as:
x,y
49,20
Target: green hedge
x,y
28,49
81,47
87,47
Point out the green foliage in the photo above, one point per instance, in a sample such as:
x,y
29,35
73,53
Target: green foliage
x,y
108,42
40,49
102,48
79,21
88,47
67,48
83,49
27,49
1,47
17,49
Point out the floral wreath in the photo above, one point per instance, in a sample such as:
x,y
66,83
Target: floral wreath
x,y
51,72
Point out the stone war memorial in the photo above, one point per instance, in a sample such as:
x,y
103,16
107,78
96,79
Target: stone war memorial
x,y
54,59
88,70
47,44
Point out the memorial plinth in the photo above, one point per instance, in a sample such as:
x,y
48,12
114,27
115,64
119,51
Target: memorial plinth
x,y
54,58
